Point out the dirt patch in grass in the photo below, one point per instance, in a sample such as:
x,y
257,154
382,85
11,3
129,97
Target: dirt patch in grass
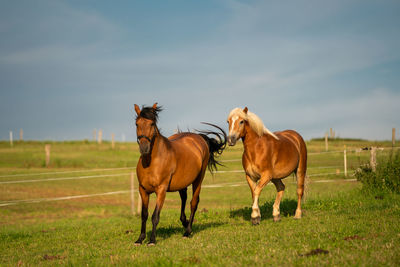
x,y
52,257
315,252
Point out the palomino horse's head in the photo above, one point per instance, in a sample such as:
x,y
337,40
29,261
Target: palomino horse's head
x,y
236,120
146,128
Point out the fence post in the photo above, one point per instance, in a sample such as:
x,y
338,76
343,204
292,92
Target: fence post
x,y
373,158
326,141
11,139
47,150
345,161
100,136
331,132
393,136
21,135
132,193
112,141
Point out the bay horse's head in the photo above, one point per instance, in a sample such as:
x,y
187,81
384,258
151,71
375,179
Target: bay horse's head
x,y
146,127
236,119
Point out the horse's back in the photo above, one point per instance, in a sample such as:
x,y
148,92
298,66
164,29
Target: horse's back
x,y
187,142
293,137
191,155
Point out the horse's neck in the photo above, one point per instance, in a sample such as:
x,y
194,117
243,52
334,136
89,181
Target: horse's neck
x,y
161,143
251,139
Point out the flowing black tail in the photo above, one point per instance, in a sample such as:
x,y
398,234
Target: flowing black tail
x,y
215,145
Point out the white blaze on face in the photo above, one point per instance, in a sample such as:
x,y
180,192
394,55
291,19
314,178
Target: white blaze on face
x,y
234,119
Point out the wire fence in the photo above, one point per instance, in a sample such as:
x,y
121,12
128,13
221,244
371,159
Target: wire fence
x,y
126,174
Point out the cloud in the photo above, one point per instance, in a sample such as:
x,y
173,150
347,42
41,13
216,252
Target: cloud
x,y
285,61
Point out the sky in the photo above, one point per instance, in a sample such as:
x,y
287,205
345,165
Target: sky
x,y
69,67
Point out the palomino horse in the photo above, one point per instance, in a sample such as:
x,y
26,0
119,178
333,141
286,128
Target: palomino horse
x,y
268,157
172,164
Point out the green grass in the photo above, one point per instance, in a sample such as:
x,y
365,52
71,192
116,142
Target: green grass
x,y
348,225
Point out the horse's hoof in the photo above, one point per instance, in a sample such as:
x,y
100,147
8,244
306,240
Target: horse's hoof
x,y
297,215
277,218
186,234
150,244
256,220
137,244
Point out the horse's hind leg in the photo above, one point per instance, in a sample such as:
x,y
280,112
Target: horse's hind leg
x,y
280,188
301,174
183,195
196,186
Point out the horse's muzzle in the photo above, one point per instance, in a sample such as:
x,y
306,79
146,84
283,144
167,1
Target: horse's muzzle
x,y
232,140
144,148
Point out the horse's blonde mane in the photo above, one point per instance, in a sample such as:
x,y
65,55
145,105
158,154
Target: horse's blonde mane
x,y
254,121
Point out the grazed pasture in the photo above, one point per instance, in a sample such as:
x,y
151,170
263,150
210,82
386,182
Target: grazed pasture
x,y
342,225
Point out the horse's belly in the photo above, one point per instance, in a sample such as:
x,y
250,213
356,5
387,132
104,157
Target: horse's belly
x,y
183,178
282,170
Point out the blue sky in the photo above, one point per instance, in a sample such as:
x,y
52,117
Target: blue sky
x,y
68,67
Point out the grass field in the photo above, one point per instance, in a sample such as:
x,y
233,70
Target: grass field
x,y
342,225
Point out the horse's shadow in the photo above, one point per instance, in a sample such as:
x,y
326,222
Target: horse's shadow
x,y
287,208
166,232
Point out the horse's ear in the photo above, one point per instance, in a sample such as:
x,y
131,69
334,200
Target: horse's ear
x,y
245,110
137,109
155,105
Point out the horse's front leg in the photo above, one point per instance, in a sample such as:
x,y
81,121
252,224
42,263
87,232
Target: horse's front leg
x,y
280,188
256,214
252,185
145,213
161,192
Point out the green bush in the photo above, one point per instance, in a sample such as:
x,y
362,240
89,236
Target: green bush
x,y
385,178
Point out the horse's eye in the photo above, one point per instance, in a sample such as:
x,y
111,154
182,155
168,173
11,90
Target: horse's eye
x,y
241,122
227,121
152,124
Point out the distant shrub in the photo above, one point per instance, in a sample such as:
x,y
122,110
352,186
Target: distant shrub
x,y
385,178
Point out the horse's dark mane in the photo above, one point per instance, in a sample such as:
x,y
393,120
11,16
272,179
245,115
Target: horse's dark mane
x,y
150,113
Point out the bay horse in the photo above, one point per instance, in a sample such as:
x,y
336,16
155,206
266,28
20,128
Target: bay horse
x,y
172,164
268,157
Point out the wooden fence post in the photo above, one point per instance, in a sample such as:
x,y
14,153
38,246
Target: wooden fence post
x,y
21,135
112,141
345,161
47,150
326,141
11,139
100,136
132,193
373,158
331,132
393,136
